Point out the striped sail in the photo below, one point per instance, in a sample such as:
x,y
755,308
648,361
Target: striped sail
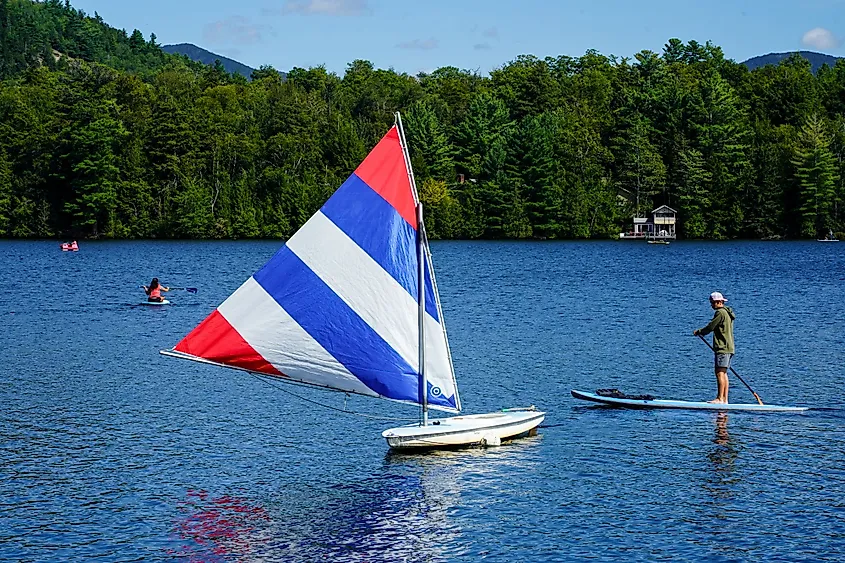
x,y
337,305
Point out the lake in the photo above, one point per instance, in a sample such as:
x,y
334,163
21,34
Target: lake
x,y
112,451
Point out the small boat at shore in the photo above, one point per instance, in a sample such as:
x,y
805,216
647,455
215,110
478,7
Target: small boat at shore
x,y
658,242
70,246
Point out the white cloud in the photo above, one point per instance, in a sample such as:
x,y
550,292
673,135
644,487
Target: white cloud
x,y
820,38
419,44
326,7
236,30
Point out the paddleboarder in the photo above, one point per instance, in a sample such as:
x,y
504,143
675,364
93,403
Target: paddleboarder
x,y
154,290
722,327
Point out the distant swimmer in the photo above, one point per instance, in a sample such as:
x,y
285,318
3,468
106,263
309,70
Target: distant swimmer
x,y
722,327
154,291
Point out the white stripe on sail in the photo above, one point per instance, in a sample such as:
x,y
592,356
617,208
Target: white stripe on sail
x,y
437,364
440,341
373,294
274,334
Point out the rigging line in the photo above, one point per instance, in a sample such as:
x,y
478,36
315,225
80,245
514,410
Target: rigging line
x,y
344,411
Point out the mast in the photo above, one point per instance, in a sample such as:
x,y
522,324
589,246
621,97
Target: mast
x,y
420,273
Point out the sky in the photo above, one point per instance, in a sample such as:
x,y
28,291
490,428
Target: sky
x,y
421,35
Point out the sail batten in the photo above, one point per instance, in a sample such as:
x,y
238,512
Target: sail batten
x,y
337,306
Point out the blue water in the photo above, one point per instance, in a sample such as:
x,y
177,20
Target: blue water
x,y
109,450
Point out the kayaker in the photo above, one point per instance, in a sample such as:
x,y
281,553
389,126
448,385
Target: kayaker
x,y
722,327
154,291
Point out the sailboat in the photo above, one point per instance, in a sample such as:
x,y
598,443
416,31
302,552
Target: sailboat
x,y
350,304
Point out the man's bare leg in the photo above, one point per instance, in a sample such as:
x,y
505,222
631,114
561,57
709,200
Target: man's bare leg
x,y
721,386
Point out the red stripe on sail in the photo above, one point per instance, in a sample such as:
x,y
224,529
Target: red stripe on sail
x,y
216,340
385,172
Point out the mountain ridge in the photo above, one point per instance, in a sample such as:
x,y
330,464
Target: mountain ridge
x,y
204,56
817,60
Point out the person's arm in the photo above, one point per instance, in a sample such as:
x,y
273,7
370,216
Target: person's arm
x,y
711,326
146,289
165,289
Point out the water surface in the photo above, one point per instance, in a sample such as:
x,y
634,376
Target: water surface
x,y
109,450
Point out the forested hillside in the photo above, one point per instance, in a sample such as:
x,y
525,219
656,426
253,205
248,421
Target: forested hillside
x,y
104,135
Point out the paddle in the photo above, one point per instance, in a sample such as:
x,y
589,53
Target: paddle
x,y
733,371
188,289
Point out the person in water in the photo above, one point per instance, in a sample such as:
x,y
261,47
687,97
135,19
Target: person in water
x,y
722,327
154,291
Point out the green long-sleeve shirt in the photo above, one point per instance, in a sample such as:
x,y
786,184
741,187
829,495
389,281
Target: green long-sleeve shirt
x,y
722,327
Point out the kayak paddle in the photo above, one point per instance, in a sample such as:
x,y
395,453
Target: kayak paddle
x,y
188,289
733,371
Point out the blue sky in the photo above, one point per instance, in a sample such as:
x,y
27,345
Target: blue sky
x,y
413,36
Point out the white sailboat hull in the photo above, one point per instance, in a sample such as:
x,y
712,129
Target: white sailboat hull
x,y
458,431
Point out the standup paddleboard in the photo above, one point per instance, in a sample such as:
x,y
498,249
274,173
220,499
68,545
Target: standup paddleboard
x,y
165,302
667,404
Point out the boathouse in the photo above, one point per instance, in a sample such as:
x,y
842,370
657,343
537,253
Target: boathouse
x,y
660,225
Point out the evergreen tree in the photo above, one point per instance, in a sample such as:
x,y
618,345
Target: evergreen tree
x,y
94,168
639,168
431,151
693,196
721,135
817,177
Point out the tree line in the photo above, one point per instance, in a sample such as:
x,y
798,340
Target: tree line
x,y
103,135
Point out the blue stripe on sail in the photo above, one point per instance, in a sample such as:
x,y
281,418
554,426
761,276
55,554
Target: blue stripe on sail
x,y
381,232
436,398
336,327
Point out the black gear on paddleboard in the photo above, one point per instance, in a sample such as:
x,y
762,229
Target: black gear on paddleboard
x,y
617,394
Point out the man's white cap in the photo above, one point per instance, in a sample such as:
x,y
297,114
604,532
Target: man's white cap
x,y
716,296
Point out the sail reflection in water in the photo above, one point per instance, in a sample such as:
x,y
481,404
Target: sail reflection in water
x,y
213,528
398,515
410,511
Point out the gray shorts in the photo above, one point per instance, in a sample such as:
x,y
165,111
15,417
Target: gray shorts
x,y
723,360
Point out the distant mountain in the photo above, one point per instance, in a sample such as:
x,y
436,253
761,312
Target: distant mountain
x,y
816,59
200,55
